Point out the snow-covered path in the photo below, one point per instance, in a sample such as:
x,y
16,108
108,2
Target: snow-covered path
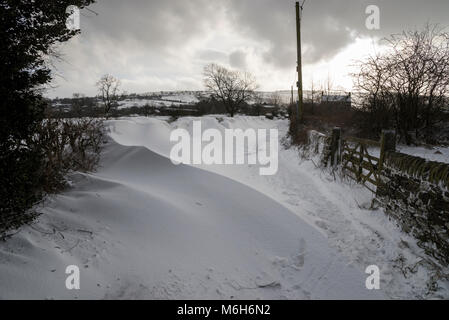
x,y
339,209
143,228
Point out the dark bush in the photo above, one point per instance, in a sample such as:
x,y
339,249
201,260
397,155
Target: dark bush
x,y
65,145
406,87
68,145
28,32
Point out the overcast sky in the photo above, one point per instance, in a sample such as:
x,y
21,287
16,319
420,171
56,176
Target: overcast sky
x,y
154,45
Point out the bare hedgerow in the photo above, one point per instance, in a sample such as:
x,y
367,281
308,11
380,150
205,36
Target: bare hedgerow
x,y
68,145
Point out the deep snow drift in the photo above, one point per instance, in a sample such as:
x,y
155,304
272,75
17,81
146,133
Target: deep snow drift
x,y
142,227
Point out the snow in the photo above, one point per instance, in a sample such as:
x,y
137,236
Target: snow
x,y
128,103
188,98
432,153
439,154
163,99
141,227
339,209
155,103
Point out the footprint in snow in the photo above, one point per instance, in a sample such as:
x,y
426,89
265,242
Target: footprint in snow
x,y
299,259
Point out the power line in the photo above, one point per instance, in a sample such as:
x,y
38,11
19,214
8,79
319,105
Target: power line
x,y
96,13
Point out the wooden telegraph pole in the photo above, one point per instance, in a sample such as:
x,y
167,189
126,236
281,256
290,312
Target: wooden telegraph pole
x,y
299,108
292,100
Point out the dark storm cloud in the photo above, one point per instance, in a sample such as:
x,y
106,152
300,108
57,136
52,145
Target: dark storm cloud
x,y
168,41
328,25
133,40
157,24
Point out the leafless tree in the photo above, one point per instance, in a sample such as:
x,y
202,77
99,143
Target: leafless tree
x,y
78,103
108,89
329,84
275,99
406,87
258,103
312,88
232,88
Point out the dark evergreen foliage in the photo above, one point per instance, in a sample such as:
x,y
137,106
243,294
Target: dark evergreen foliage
x,y
28,31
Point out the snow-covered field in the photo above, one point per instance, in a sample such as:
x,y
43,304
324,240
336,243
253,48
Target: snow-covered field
x,y
174,100
186,98
141,227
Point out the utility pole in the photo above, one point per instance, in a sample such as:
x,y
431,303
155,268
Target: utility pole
x,y
313,87
299,109
292,100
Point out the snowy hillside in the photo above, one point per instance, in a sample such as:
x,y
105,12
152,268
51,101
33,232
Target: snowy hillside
x,y
142,227
163,99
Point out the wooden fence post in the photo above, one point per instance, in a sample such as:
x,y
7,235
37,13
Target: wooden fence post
x,y
335,146
387,143
360,169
